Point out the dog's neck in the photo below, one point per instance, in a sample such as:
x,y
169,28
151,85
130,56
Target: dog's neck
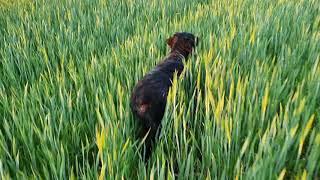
x,y
183,53
178,54
183,49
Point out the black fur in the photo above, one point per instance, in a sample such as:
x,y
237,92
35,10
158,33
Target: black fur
x,y
149,97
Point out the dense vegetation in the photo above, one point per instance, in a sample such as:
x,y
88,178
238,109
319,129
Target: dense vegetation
x,y
247,107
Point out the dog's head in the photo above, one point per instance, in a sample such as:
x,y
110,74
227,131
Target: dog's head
x,y
183,41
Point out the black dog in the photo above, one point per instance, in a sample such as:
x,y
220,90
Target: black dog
x,y
149,97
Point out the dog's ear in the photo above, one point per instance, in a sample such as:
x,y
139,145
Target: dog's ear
x,y
171,41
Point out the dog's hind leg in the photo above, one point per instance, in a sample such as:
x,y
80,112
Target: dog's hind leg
x,y
149,118
149,134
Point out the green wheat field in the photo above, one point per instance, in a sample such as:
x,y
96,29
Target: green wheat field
x,y
246,107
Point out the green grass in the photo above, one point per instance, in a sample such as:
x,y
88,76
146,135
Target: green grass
x,y
248,105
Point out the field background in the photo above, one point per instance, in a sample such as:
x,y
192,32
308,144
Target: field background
x,y
247,107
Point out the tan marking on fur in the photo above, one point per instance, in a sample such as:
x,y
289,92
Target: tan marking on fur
x,y
143,108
